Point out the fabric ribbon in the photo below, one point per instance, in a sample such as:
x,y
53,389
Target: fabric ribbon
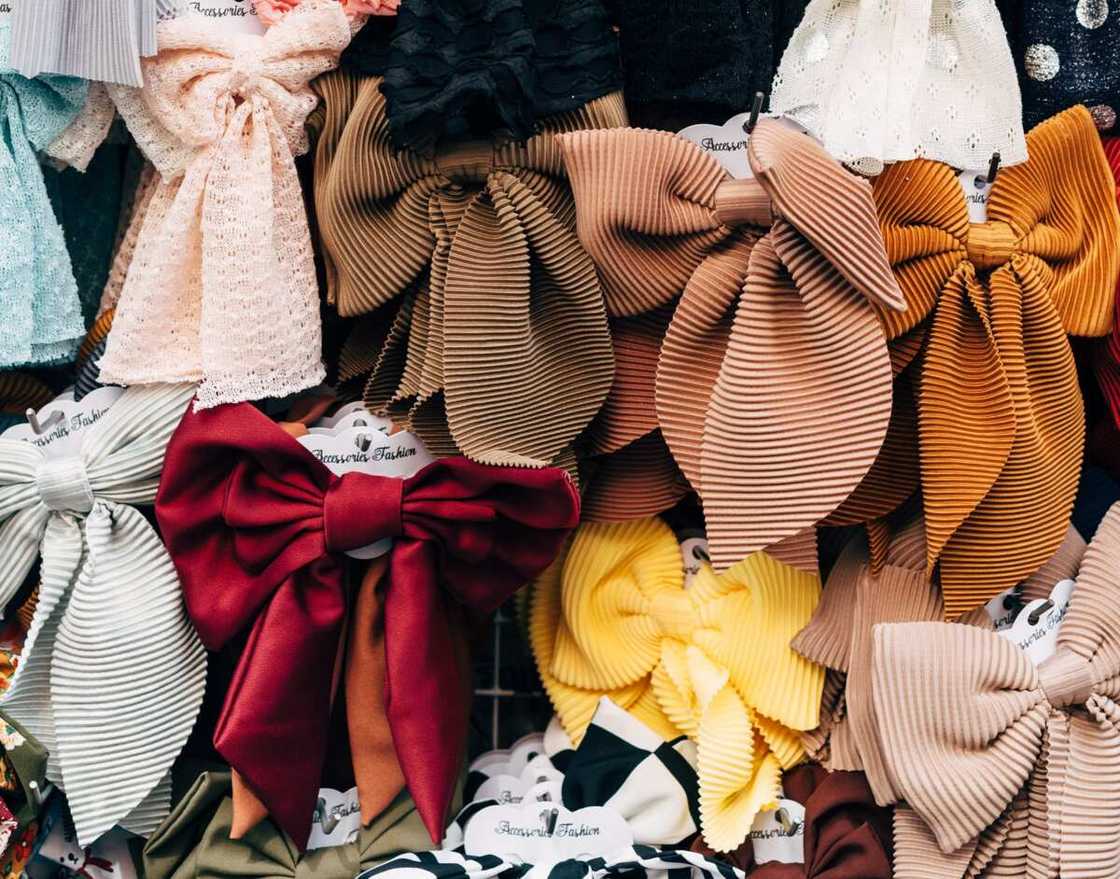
x,y
110,647
775,351
846,835
966,721
245,505
1107,363
222,288
1000,416
38,293
613,618
500,349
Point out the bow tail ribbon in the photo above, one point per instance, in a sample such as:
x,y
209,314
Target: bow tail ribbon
x,y
694,347
126,662
278,694
38,281
1000,401
528,364
255,241
20,538
805,350
1084,752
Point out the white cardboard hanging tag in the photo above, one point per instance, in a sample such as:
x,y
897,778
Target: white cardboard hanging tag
x,y
546,792
694,553
491,760
543,833
337,818
779,834
727,143
540,769
352,415
976,189
1004,608
367,450
503,787
1035,630
5,10
238,16
524,750
68,420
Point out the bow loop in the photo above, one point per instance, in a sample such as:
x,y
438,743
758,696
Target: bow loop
x,y
1066,679
360,509
63,485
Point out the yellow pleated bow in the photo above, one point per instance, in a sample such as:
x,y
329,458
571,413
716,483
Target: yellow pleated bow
x,y
712,661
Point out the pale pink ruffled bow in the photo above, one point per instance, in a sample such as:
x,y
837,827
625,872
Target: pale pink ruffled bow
x,y
222,285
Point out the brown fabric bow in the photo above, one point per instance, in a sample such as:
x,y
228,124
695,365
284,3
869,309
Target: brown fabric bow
x,y
773,386
1000,416
967,724
501,347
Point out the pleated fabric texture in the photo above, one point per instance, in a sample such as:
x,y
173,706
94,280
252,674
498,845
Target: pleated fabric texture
x,y
100,40
614,618
1000,415
967,723
38,293
112,672
221,288
773,384
1107,362
500,349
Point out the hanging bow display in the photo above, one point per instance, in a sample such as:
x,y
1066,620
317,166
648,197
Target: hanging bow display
x,y
614,618
501,348
38,293
968,724
257,527
222,288
110,647
1000,415
774,364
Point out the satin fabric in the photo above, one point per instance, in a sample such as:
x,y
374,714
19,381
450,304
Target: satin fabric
x,y
1000,415
256,526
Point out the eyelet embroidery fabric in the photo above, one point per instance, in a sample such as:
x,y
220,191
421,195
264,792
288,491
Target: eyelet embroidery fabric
x,y
222,287
884,82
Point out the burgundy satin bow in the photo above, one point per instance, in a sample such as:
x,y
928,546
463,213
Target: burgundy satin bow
x,y
255,525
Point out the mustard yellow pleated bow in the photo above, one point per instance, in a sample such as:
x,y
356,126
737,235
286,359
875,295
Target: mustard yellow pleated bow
x,y
1000,417
774,365
709,659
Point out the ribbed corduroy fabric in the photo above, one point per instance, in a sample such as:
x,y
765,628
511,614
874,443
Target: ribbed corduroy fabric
x,y
99,40
1108,357
18,393
965,721
774,365
1000,417
613,618
503,342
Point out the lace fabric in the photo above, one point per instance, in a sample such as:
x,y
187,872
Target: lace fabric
x,y
687,62
889,81
42,316
473,68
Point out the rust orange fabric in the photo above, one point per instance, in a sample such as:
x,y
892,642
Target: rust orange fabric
x,y
773,385
1000,415
500,349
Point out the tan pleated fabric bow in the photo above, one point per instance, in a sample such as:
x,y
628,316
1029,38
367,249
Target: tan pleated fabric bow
x,y
1000,416
773,386
501,348
967,724
221,288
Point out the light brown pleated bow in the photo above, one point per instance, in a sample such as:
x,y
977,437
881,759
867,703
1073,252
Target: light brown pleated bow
x,y
501,347
1000,416
967,724
773,385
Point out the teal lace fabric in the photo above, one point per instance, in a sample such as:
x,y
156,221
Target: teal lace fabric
x,y
42,317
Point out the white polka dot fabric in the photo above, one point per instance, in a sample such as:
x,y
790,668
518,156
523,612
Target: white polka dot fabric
x,y
888,80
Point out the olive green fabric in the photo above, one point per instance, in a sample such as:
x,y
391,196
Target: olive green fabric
x,y
194,843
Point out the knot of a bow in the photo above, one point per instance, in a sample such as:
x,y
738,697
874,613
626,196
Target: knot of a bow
x,y
108,597
221,116
615,618
42,312
990,307
965,719
776,322
490,376
244,504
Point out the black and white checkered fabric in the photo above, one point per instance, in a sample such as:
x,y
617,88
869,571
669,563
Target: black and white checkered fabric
x,y
631,862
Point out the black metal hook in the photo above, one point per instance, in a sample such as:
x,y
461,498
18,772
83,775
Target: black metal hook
x,y
756,108
993,168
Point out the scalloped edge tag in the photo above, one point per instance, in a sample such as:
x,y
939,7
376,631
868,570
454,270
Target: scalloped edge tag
x,y
237,16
